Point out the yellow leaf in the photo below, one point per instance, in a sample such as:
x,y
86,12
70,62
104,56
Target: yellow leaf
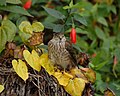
x,y
77,73
26,27
109,92
35,54
1,88
68,75
90,74
43,59
63,78
37,27
32,59
20,68
75,87
46,64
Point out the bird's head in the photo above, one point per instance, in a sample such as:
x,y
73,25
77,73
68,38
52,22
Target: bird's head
x,y
59,37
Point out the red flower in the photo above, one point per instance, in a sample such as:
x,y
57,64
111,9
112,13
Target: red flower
x,y
28,4
115,61
73,35
94,55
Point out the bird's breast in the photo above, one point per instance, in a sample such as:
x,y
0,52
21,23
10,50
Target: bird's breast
x,y
59,54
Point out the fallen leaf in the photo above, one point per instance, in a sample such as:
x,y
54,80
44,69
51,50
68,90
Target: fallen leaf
x,y
63,78
68,75
109,92
20,68
90,74
83,59
1,88
11,45
46,64
32,59
77,73
18,52
75,86
36,38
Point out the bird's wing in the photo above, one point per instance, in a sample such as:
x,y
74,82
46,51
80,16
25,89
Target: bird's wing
x,y
71,51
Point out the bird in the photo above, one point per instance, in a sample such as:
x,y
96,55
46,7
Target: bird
x,y
61,53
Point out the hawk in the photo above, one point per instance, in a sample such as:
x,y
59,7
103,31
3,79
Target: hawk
x,y
61,53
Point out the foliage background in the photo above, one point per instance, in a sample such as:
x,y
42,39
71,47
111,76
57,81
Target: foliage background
x,y
97,24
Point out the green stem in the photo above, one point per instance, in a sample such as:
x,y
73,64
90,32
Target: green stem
x,y
68,15
73,25
114,72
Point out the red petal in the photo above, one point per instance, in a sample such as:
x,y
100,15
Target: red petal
x,y
115,60
73,35
28,4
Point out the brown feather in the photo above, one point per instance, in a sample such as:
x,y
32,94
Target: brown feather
x,y
61,52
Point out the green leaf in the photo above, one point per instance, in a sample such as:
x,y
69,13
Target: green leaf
x,y
97,58
81,4
94,9
2,2
54,13
80,19
99,66
79,30
3,39
15,9
13,16
13,1
66,7
82,43
24,36
58,28
48,25
100,34
77,47
117,53
113,9
37,27
10,29
26,30
50,19
102,21
93,44
21,19
7,33
107,44
71,3
91,34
